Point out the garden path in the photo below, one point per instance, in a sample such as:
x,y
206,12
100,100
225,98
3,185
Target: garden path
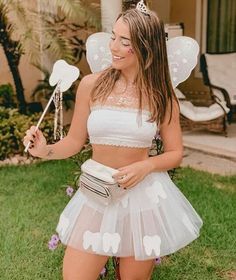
x,y
211,152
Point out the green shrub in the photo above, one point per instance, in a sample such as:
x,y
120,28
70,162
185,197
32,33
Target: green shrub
x,y
13,126
7,96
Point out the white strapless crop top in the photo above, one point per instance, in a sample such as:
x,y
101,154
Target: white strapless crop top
x,y
120,127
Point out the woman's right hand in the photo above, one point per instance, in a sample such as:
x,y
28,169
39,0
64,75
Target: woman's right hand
x,y
37,141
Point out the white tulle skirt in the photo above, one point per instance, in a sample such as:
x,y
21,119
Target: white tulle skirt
x,y
151,220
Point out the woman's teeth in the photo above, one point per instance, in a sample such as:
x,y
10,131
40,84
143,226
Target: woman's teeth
x,y
117,57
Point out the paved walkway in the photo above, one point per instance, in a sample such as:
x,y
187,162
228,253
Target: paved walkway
x,y
211,152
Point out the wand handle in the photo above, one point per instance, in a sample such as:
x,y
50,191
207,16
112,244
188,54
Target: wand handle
x,y
44,112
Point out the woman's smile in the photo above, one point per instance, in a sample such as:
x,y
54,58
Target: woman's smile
x,y
117,58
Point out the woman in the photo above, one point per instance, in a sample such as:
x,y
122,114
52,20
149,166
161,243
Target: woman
x,y
120,110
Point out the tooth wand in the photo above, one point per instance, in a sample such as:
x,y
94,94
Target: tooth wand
x,y
44,112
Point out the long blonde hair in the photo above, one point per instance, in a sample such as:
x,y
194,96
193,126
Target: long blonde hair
x,y
153,78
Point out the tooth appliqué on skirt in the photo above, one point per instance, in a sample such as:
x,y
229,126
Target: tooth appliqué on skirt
x,y
155,191
91,239
63,225
152,243
151,220
111,241
108,240
188,224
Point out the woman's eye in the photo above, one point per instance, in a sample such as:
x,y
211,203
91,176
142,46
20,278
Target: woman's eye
x,y
126,44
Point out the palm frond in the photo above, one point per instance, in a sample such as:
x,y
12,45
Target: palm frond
x,y
79,11
20,17
92,13
58,46
43,34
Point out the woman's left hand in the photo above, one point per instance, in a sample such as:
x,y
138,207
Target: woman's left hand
x,y
130,175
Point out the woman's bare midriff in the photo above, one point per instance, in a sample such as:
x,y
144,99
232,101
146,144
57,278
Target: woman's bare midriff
x,y
116,156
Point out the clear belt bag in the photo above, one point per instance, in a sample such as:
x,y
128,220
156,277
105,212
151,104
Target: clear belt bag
x,y
96,182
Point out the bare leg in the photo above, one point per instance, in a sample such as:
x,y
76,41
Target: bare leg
x,y
79,265
130,269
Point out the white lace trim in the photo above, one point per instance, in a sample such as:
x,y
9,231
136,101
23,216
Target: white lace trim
x,y
123,143
117,108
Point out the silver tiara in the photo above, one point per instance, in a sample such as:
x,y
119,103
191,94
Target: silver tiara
x,y
142,7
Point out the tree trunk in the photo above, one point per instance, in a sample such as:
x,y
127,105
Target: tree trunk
x,y
17,81
12,51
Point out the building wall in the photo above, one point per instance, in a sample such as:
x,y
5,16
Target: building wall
x,y
162,8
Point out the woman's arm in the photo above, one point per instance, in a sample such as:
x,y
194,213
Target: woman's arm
x,y
77,135
172,142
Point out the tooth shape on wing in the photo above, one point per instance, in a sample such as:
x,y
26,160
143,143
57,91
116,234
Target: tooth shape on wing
x,y
152,243
111,241
91,239
155,191
62,225
64,72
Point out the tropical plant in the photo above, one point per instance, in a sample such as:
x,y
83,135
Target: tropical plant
x,y
13,51
12,130
29,28
7,98
77,45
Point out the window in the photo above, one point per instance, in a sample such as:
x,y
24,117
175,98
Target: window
x,y
221,26
215,27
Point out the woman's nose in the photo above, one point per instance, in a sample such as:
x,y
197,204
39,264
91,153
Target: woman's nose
x,y
114,45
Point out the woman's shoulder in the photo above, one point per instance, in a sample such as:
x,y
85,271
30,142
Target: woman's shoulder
x,y
86,85
90,79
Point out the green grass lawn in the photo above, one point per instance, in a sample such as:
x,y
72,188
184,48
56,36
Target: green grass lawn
x,y
32,197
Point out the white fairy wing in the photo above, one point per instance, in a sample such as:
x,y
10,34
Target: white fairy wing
x,y
182,55
98,53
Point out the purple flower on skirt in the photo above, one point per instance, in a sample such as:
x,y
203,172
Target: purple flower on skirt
x,y
53,243
103,272
157,261
69,191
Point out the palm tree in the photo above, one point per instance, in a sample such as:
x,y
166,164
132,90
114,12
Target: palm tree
x,y
26,24
13,52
